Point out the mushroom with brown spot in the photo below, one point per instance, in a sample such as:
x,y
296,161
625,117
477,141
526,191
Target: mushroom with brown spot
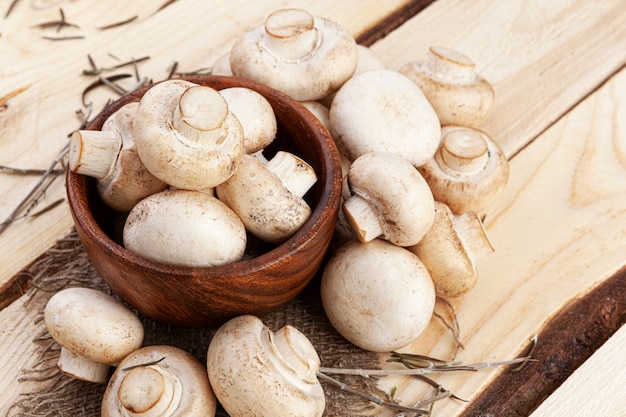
x,y
185,228
256,372
159,381
377,295
301,55
384,111
110,156
448,78
95,332
186,136
389,198
450,250
469,170
268,197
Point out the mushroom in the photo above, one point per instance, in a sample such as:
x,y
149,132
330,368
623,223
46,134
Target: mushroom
x,y
389,199
448,79
304,56
382,110
255,114
268,197
450,250
185,228
159,381
95,331
110,156
320,111
186,136
221,66
377,311
257,372
468,171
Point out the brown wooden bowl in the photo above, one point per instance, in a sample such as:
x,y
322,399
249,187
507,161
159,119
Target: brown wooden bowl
x,y
206,297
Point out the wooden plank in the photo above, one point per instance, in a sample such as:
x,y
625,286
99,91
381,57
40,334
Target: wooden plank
x,y
541,57
596,388
45,77
558,233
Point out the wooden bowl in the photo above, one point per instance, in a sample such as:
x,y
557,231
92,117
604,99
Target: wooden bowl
x,y
207,297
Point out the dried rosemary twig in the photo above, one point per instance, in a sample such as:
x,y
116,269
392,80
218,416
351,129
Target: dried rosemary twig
x,y
95,70
59,24
118,24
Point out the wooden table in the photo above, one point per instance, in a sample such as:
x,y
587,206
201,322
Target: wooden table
x,y
559,228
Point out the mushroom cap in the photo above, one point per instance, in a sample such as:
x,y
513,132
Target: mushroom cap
x,y
448,257
255,372
303,56
255,114
266,207
398,193
93,325
186,228
384,111
463,188
193,394
182,161
129,181
381,311
459,95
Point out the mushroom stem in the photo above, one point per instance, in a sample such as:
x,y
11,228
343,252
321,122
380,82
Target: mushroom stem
x,y
82,368
363,218
93,152
464,150
297,352
291,34
472,233
296,175
200,113
449,64
150,391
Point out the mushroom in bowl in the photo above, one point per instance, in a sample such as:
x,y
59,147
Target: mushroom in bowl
x,y
257,284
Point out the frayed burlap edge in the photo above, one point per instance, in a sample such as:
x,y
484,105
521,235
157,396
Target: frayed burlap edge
x,y
67,265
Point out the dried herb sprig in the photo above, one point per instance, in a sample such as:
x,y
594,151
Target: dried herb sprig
x,y
10,9
59,24
118,24
95,70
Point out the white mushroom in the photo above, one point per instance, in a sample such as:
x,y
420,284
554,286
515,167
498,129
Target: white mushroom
x,y
186,135
94,330
255,372
448,79
255,114
185,228
320,111
377,295
303,56
468,171
384,111
159,381
110,156
389,198
221,66
269,201
450,250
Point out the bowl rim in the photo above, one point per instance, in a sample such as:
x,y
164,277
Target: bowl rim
x,y
328,204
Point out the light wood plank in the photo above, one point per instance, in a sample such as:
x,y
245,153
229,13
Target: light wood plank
x,y
596,388
35,125
541,57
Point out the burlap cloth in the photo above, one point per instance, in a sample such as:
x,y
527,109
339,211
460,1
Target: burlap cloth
x,y
66,265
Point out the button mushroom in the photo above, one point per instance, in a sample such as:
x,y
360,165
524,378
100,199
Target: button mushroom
x,y
186,136
268,201
448,79
255,114
255,372
110,156
185,228
303,56
389,199
94,330
450,250
159,381
468,171
377,295
384,111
